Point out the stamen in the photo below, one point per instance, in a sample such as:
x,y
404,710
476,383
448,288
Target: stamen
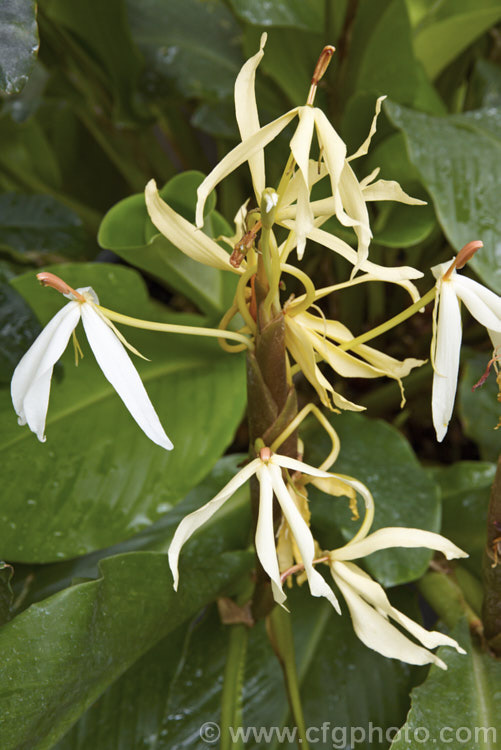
x,y
50,279
319,72
244,245
462,258
299,568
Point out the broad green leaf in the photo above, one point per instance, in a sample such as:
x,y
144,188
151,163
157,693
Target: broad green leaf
x,y
307,15
486,85
339,679
27,158
18,43
39,229
18,329
189,43
376,454
397,224
6,596
381,26
480,409
127,230
470,691
449,28
61,654
111,59
465,488
102,479
458,158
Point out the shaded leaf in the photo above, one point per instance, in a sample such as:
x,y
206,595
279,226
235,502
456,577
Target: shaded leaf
x,y
480,409
102,479
18,43
470,690
449,28
458,158
18,329
307,15
6,595
39,229
465,488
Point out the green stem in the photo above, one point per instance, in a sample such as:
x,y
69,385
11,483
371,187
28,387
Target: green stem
x,y
282,641
231,700
446,597
391,323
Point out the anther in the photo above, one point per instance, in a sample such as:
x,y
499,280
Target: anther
x,y
50,279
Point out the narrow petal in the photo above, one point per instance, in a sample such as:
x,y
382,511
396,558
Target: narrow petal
x,y
303,537
364,148
183,235
265,534
484,305
373,593
333,148
397,536
237,156
389,190
193,521
304,218
30,386
355,207
300,142
342,248
247,114
446,359
379,634
118,369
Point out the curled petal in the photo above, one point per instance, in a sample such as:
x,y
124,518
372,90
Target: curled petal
x,y
247,114
183,235
389,190
484,305
364,148
302,535
397,537
117,367
30,386
195,520
265,535
237,156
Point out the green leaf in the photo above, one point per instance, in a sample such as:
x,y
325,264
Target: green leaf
x,y
127,230
307,15
449,28
479,408
403,493
102,479
18,329
39,229
61,654
192,44
6,595
486,85
18,43
465,488
470,690
27,159
109,54
458,158
378,27
339,678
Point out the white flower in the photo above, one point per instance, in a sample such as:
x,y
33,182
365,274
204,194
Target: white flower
x,y
484,305
30,386
267,469
369,606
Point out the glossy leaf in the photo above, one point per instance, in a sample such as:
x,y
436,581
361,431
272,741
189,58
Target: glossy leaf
x,y
18,329
27,157
469,689
465,488
127,230
307,15
18,43
102,479
110,56
190,44
337,681
61,654
39,229
449,28
458,158
403,493
480,409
